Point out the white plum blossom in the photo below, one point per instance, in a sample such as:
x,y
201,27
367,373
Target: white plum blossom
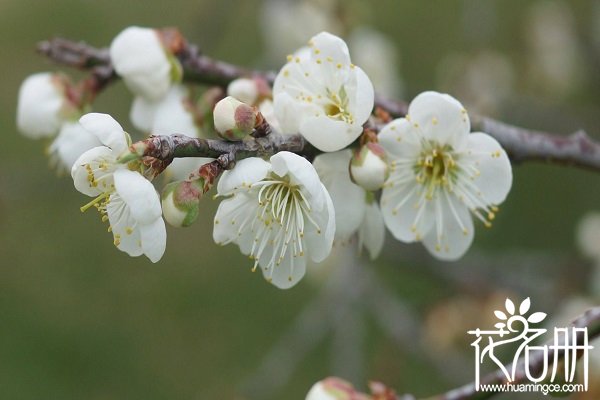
x,y
172,114
72,141
278,212
440,175
320,94
124,198
43,106
356,210
140,58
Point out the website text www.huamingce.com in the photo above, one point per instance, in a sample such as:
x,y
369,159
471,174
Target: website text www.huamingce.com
x,y
544,388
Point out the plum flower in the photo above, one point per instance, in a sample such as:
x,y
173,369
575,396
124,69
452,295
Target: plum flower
x,y
140,58
172,114
72,141
320,94
43,105
356,210
279,213
440,175
124,198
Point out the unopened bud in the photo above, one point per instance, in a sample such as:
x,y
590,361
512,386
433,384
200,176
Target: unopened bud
x,y
334,389
368,167
234,120
181,202
244,90
250,90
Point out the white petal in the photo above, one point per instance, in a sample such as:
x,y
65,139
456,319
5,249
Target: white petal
x,y
107,130
181,168
79,173
138,56
372,232
327,134
142,113
301,172
287,113
329,45
40,102
139,195
245,173
400,139
288,273
400,206
267,110
319,243
440,117
230,215
173,115
348,198
154,239
495,178
363,96
72,141
124,227
456,227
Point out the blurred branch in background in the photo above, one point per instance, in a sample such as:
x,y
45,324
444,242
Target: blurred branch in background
x,y
520,143
352,295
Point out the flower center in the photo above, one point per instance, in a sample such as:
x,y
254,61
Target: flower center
x,y
435,167
337,108
282,216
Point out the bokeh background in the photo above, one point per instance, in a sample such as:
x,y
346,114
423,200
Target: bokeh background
x,y
80,320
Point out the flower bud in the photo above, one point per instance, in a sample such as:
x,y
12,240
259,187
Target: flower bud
x,y
250,90
181,202
368,167
43,105
334,389
244,90
233,119
140,58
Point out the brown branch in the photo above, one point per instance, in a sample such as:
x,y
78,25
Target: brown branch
x,y
520,143
168,147
590,320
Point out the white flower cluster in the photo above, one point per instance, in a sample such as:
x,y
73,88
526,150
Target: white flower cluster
x,y
433,173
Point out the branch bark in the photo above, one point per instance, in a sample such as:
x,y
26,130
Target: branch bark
x,y
521,144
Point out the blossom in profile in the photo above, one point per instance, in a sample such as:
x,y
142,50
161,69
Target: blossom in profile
x,y
146,66
441,175
356,209
174,113
278,212
320,94
124,198
43,105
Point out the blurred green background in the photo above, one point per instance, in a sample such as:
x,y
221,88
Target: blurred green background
x,y
80,320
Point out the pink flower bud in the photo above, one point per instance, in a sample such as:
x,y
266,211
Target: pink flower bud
x,y
181,202
233,119
368,167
